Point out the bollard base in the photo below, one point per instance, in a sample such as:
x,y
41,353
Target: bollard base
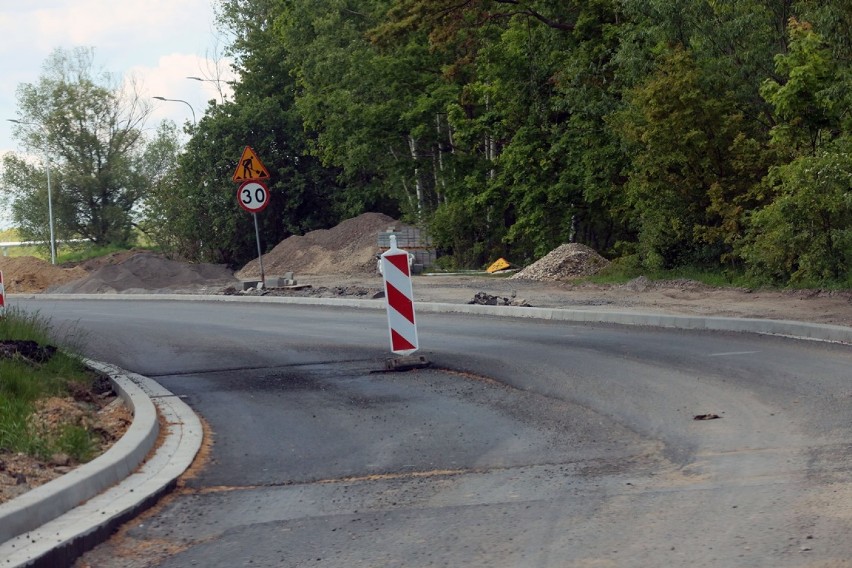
x,y
406,363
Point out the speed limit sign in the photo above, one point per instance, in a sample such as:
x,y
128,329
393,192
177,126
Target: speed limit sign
x,y
253,196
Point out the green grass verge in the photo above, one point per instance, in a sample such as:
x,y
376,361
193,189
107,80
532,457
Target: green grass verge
x,y
24,383
71,252
622,270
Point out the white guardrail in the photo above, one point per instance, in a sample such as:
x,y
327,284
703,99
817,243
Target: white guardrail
x,y
4,246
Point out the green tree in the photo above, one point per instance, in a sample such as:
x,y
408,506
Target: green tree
x,y
697,127
91,128
806,99
532,83
375,110
693,166
805,234
195,214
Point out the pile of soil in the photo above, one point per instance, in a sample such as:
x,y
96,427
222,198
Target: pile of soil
x,y
28,274
145,272
565,262
348,249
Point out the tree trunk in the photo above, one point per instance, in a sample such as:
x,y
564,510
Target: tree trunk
x,y
418,185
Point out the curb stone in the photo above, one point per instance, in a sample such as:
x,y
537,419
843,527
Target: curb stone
x,y
55,523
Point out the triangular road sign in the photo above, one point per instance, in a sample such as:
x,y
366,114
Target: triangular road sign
x,y
250,167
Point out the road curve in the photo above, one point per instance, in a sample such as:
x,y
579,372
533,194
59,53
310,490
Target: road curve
x,y
527,444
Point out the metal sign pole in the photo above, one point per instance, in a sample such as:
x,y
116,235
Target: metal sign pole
x,y
259,255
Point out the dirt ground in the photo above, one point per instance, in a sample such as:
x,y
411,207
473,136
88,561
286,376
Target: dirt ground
x,y
145,272
341,262
677,297
103,411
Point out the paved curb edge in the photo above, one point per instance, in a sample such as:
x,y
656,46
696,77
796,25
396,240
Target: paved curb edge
x,y
784,328
53,527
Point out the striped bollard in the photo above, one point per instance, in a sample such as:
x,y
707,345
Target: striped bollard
x,y
400,300
2,297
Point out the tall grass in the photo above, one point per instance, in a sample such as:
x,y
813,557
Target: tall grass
x,y
23,383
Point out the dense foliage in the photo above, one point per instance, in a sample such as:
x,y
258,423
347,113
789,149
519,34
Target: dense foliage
x,y
674,132
679,132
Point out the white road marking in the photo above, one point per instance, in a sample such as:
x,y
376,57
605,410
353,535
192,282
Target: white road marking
x,y
729,353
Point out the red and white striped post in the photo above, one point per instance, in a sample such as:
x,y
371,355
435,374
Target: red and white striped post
x,y
2,296
400,300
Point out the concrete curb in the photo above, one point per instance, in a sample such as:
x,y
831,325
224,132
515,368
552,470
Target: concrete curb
x,y
55,523
784,328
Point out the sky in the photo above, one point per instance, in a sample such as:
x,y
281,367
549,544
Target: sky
x,y
157,42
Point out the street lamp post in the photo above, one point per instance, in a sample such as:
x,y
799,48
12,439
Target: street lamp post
x,y
180,101
217,82
49,194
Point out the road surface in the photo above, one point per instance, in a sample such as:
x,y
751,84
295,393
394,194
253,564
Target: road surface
x,y
527,444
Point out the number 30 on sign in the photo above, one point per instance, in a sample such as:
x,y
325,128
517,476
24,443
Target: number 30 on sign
x,y
253,196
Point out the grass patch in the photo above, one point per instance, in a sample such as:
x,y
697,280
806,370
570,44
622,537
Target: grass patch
x,y
71,252
81,254
8,235
25,385
625,269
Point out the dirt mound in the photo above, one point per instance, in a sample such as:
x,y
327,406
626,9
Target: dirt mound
x,y
146,271
117,257
28,274
565,262
348,249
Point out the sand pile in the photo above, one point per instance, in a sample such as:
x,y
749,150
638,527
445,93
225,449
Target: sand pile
x,y
348,249
146,271
565,262
28,274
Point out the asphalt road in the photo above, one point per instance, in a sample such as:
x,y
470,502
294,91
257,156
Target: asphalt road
x,y
527,444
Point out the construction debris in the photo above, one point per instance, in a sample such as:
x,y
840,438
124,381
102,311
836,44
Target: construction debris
x,y
566,262
706,417
485,299
27,350
406,363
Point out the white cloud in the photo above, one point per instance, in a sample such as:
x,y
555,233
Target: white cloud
x,y
169,79
159,42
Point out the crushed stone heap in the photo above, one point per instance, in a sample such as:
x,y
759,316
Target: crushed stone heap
x,y
565,262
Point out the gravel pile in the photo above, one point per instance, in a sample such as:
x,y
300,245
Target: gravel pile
x,y
566,262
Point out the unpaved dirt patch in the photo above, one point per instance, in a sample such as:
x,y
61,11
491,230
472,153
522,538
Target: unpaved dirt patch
x,y
28,274
105,413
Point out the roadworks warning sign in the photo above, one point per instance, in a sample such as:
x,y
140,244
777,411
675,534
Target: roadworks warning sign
x,y
250,168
